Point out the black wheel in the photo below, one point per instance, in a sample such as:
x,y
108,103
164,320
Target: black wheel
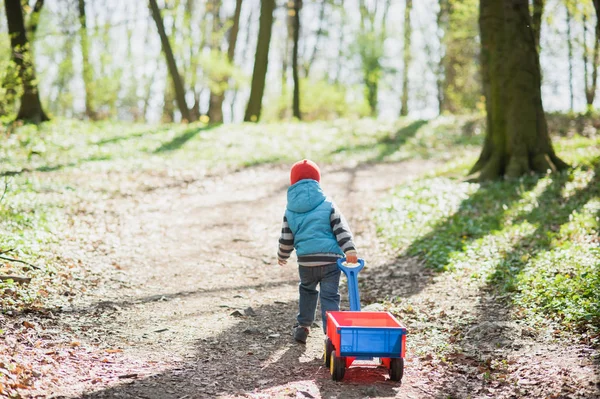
x,y
327,352
396,369
337,367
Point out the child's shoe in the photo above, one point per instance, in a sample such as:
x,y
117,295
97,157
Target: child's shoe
x,y
301,333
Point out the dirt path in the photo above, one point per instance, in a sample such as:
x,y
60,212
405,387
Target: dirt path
x,y
198,307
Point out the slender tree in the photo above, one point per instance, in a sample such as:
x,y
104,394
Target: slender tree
x,y
407,57
87,68
31,106
261,60
171,63
570,52
373,33
318,36
215,109
590,86
517,140
296,96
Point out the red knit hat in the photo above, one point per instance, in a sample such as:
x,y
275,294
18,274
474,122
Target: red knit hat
x,y
304,169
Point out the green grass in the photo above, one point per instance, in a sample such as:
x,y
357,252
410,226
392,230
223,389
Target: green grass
x,y
535,238
59,171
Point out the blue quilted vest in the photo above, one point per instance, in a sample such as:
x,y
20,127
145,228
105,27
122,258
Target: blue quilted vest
x,y
308,214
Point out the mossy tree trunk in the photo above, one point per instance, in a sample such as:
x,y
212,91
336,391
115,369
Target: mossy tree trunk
x,y
171,63
261,60
517,140
31,106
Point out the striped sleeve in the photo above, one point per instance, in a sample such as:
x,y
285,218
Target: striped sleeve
x,y
342,232
286,241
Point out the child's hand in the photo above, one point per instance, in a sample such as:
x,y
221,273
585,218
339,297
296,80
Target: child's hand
x,y
351,258
282,262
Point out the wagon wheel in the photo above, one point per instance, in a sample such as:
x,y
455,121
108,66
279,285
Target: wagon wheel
x,y
327,352
396,369
337,367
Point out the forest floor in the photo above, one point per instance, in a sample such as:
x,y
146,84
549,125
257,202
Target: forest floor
x,y
184,299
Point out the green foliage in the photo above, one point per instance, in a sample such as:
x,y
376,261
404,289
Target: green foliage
x,y
535,238
319,100
220,73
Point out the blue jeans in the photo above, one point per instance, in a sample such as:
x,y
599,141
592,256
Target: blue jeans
x,y
328,277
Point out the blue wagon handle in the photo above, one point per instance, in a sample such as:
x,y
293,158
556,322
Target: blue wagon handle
x,y
351,271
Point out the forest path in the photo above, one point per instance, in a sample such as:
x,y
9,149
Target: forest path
x,y
201,309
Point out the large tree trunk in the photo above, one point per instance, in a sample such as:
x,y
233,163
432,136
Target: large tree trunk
x,y
407,57
215,108
87,69
171,64
296,97
517,140
536,20
261,60
31,106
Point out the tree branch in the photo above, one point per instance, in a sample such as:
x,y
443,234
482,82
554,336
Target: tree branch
x,y
16,279
20,261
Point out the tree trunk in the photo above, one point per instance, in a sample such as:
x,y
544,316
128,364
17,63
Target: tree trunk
x,y
296,97
31,106
34,19
407,57
261,60
517,140
536,20
215,108
318,36
590,87
171,64
570,52
87,69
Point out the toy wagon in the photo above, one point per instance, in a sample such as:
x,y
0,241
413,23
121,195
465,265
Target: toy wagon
x,y
355,335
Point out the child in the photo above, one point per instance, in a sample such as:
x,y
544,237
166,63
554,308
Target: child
x,y
316,229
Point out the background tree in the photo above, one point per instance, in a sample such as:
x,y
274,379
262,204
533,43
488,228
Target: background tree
x,y
458,80
217,95
171,64
85,62
296,77
371,37
591,60
406,57
261,61
517,139
31,106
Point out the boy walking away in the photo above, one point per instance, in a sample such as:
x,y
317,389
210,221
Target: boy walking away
x,y
317,230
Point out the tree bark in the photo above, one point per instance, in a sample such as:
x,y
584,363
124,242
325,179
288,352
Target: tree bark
x,y
536,20
261,60
31,106
171,63
407,57
517,140
87,70
296,96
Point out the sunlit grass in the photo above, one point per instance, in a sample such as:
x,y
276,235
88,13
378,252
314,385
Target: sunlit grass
x,y
535,238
